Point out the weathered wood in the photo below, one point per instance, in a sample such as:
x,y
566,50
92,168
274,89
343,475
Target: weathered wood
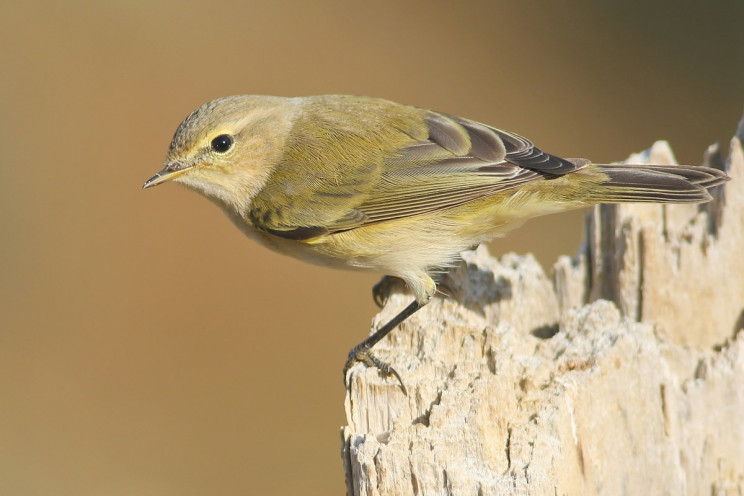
x,y
524,384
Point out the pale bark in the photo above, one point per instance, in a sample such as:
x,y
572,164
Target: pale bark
x,y
623,374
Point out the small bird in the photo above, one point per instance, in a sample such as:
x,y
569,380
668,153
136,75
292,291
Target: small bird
x,y
365,183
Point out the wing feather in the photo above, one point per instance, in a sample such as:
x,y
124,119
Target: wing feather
x,y
458,161
440,172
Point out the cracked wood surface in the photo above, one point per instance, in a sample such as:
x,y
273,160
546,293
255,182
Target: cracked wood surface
x,y
623,373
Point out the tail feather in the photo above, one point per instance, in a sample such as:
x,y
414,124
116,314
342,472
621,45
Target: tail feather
x,y
658,183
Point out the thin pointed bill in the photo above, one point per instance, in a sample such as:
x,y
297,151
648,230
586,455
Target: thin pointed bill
x,y
170,171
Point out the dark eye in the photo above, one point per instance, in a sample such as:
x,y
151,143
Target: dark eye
x,y
222,143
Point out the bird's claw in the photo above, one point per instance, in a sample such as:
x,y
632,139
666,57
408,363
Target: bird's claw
x,y
381,290
364,354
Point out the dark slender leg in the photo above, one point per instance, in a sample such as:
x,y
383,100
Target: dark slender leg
x,y
363,353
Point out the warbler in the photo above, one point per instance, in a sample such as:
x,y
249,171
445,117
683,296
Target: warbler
x,y
365,183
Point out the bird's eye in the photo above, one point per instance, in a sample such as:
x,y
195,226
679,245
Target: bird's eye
x,y
222,143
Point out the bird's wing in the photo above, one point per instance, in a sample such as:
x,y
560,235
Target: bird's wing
x,y
447,162
460,161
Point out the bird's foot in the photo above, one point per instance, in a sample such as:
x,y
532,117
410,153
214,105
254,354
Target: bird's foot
x,y
362,353
381,291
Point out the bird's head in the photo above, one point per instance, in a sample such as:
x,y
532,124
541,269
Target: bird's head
x,y
226,148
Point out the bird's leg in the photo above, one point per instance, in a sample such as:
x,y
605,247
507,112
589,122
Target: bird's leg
x,y
382,289
423,287
363,353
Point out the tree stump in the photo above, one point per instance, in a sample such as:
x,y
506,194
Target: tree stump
x,y
621,374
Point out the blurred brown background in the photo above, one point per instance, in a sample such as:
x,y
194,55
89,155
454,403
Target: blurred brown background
x,y
146,347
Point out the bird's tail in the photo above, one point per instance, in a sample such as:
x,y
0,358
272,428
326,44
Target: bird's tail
x,y
657,183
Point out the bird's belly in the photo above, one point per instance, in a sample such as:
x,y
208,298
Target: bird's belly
x,y
400,247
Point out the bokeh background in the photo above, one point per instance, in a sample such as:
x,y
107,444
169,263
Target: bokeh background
x,y
146,346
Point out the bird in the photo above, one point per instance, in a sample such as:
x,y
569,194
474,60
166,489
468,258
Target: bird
x,y
365,183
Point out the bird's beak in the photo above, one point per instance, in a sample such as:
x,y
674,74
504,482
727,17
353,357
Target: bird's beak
x,y
170,171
